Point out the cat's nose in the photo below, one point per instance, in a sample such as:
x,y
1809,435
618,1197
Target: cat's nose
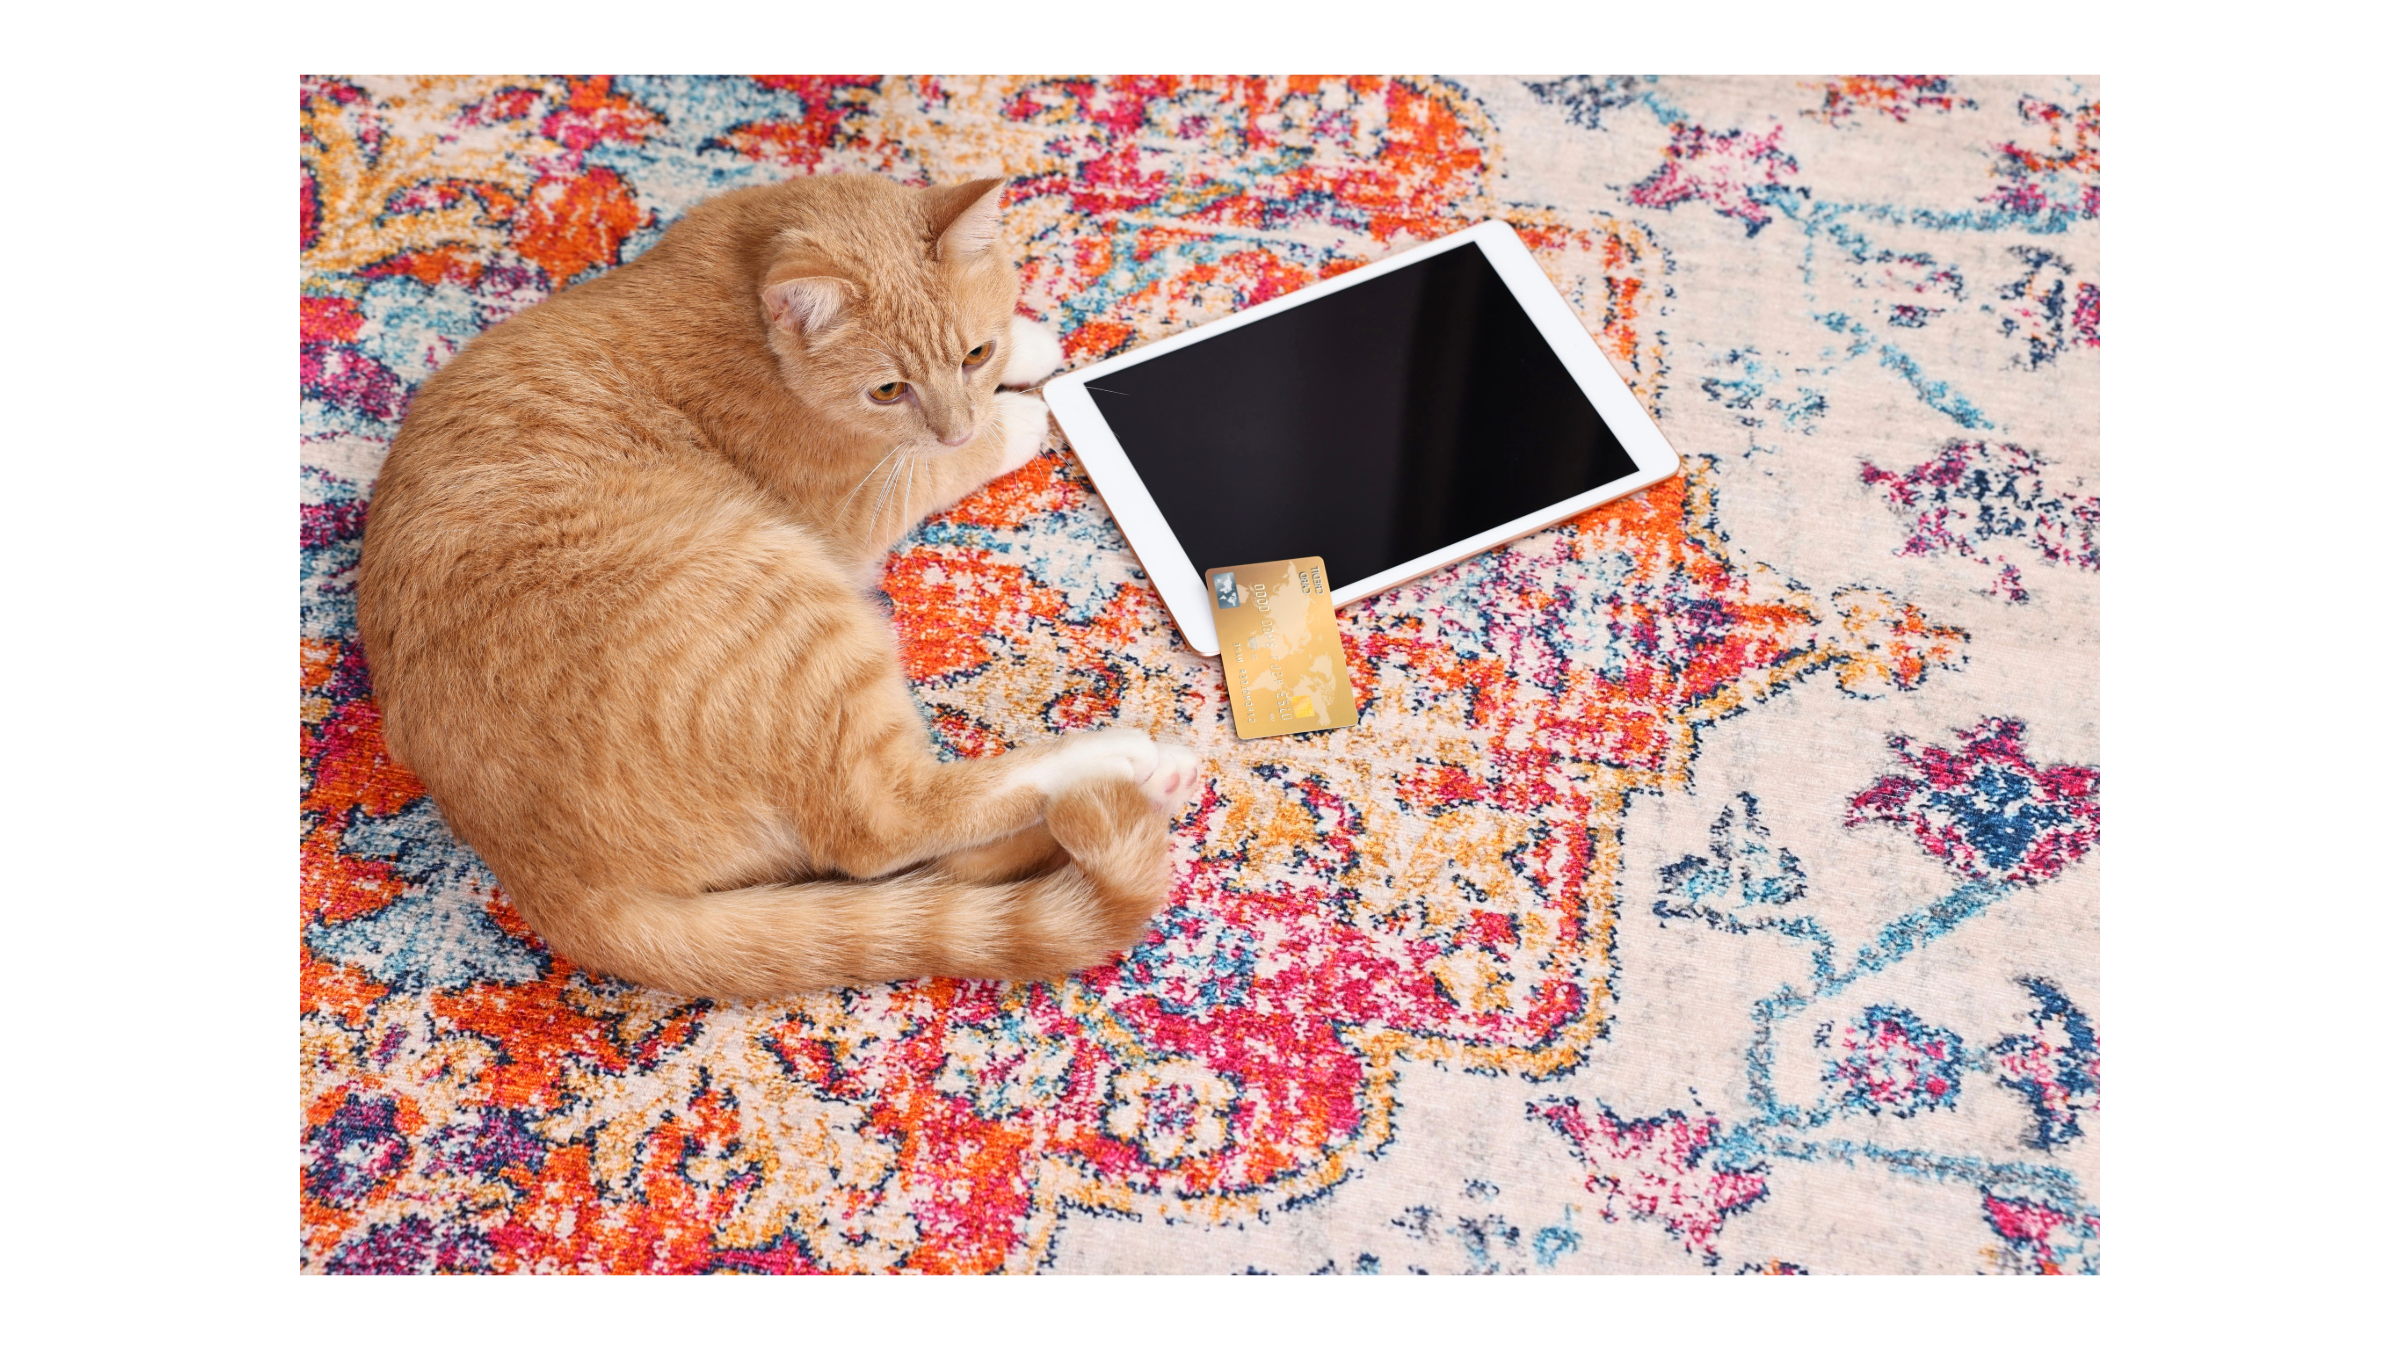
x,y
961,439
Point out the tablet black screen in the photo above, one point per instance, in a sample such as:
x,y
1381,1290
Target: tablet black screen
x,y
1371,427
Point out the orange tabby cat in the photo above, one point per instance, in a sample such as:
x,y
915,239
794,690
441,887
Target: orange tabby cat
x,y
614,602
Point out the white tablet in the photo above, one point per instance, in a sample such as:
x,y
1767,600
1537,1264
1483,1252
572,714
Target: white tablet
x,y
1392,420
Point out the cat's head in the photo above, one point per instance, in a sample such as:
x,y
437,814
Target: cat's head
x,y
888,309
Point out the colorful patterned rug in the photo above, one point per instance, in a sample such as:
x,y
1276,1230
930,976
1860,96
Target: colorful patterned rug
x,y
1710,884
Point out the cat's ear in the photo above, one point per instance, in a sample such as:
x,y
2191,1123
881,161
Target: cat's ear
x,y
965,218
804,305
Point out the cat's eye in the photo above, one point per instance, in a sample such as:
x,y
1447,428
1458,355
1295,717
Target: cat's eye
x,y
888,393
980,355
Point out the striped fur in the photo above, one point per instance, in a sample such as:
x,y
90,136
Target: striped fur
x,y
611,599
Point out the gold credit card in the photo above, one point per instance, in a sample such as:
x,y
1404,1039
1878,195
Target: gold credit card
x,y
1284,670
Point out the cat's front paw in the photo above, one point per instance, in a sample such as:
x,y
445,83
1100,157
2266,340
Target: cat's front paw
x,y
1032,353
1024,423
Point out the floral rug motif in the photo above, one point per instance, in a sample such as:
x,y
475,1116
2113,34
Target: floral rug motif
x,y
1710,883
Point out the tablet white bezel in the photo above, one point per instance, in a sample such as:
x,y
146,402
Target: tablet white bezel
x,y
1171,570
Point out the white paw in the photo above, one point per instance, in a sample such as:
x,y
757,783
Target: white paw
x,y
1093,756
1170,784
1024,422
1032,353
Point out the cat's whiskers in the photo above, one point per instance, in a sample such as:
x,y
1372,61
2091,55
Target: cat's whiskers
x,y
862,482
875,521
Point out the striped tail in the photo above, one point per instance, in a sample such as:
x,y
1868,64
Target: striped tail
x,y
763,941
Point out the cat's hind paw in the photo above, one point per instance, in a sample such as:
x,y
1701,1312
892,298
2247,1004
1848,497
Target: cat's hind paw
x,y
1170,784
1024,424
1032,353
1092,756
